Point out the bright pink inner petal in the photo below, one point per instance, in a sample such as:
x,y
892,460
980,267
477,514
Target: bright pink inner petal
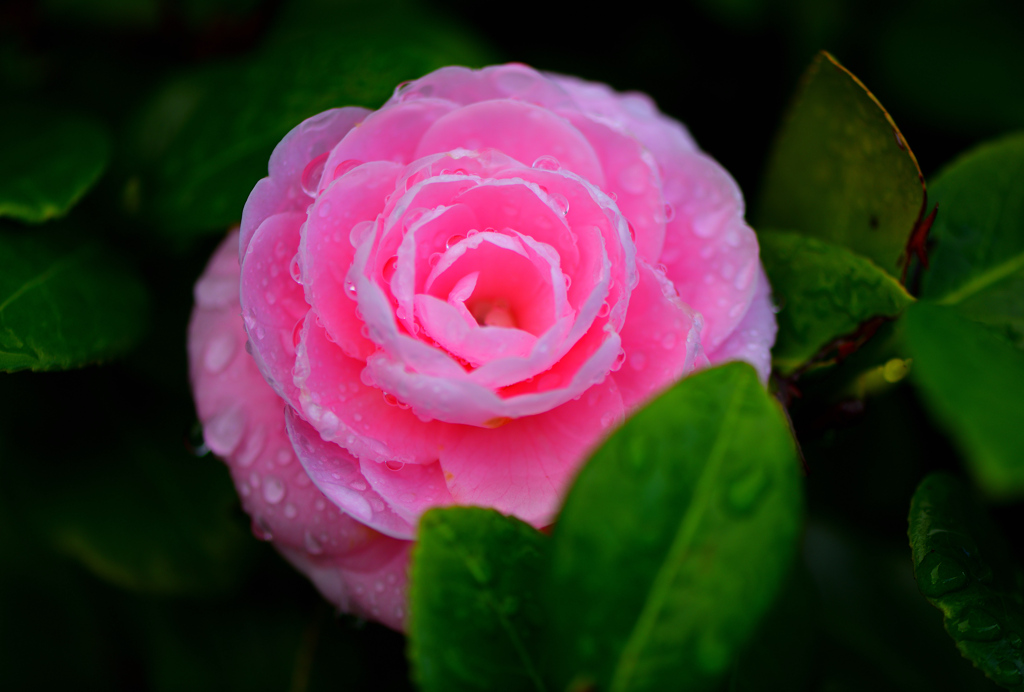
x,y
523,131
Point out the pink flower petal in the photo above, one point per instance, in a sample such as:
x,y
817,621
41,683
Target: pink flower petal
x,y
390,134
754,336
336,401
283,190
521,130
271,301
243,422
326,251
660,340
409,489
378,593
465,86
336,473
710,254
525,466
633,180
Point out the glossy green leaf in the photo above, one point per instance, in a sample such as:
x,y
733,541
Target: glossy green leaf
x,y
977,263
474,607
674,539
151,518
973,381
47,162
207,137
64,304
823,291
841,171
964,568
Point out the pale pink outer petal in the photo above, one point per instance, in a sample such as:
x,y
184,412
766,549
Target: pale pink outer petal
x,y
271,302
282,190
754,337
660,340
243,423
710,253
464,86
526,466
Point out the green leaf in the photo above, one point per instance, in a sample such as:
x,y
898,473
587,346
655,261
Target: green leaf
x,y
64,305
47,162
973,382
674,539
823,291
206,138
964,568
841,171
978,260
150,518
474,610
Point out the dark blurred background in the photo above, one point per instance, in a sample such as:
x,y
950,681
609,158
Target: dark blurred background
x,y
125,561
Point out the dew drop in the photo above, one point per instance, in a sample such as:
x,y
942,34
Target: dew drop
x,y
670,212
604,310
939,574
344,167
358,485
976,625
568,281
350,289
619,360
273,489
632,231
453,239
668,341
225,431
261,530
313,546
547,163
312,173
561,202
219,352
394,464
389,268
253,447
638,361
324,209
434,259
390,399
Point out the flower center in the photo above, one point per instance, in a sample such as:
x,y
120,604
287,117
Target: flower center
x,y
496,313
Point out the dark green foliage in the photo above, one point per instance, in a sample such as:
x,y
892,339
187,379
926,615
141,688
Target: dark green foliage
x,y
47,162
823,291
474,612
674,539
65,303
964,568
841,171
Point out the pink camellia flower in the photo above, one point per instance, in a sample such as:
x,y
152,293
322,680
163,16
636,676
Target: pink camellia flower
x,y
453,300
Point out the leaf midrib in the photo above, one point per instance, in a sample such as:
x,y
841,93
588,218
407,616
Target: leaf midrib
x,y
38,280
663,581
982,281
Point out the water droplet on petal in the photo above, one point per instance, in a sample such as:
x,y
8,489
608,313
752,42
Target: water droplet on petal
x,y
668,341
547,163
225,431
312,173
670,213
360,232
295,270
344,167
261,530
394,464
389,268
273,489
290,512
358,485
561,202
390,399
350,289
313,546
453,239
324,209
638,361
219,352
604,310
434,259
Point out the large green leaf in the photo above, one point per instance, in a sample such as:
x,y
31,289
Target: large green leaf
x,y
674,539
823,291
973,381
978,260
64,304
150,517
474,607
207,137
965,569
841,171
47,162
